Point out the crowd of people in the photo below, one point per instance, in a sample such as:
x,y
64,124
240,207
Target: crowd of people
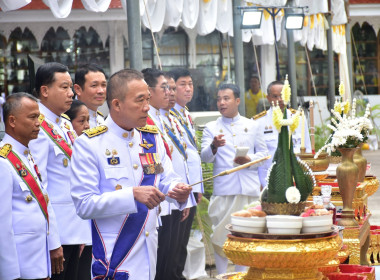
x,y
86,196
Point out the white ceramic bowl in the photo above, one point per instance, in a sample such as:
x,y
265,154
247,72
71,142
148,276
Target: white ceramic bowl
x,y
315,224
248,224
284,224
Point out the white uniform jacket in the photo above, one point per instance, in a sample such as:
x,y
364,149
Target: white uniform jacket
x,y
238,132
104,192
96,118
180,165
25,238
55,169
193,159
271,139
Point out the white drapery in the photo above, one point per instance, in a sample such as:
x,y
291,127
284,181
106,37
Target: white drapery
x,y
9,5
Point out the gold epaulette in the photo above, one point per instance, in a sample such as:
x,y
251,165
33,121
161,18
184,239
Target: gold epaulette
x,y
41,118
186,108
65,117
148,128
5,150
293,111
100,113
95,131
173,113
258,116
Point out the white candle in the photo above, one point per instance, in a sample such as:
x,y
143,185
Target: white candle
x,y
303,130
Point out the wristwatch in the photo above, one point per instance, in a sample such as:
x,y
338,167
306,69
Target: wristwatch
x,y
213,147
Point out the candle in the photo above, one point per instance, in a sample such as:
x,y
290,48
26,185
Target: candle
x,y
303,130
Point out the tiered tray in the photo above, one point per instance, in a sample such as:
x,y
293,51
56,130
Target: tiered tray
x,y
281,256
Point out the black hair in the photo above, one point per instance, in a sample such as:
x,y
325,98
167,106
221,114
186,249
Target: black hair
x,y
13,103
82,71
151,75
72,113
179,73
46,73
117,85
235,89
274,83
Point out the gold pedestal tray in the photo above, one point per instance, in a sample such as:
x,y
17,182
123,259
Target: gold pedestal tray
x,y
281,258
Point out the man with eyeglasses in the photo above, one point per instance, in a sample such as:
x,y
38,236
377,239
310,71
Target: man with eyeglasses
x,y
265,121
185,90
168,237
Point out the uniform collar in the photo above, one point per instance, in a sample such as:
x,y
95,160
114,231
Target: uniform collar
x,y
164,112
49,114
153,111
180,109
231,120
117,130
92,113
19,148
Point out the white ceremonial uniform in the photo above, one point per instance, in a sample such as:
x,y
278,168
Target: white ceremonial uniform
x,y
180,165
26,237
104,192
271,138
55,169
233,191
193,159
238,132
96,118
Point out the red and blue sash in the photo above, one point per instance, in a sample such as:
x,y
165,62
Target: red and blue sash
x,y
183,123
130,232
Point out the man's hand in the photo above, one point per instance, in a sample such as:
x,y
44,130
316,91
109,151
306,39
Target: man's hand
x,y
185,214
219,141
242,160
180,192
56,257
148,195
199,198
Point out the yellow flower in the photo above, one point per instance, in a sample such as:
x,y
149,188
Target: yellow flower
x,y
338,107
277,118
346,107
341,89
286,92
295,122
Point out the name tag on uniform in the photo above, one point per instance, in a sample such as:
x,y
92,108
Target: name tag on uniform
x,y
268,131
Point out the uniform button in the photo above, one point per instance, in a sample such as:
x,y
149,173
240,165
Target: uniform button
x,y
57,120
146,233
130,144
135,166
118,187
235,146
125,135
234,134
232,124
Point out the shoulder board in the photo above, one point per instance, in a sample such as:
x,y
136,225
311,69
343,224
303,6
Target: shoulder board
x,y
173,113
258,116
65,116
293,111
5,150
100,113
95,131
148,128
41,118
186,108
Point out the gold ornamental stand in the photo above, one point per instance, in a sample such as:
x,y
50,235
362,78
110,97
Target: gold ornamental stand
x,y
297,259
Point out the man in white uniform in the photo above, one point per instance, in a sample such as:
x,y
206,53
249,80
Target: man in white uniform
x,y
52,152
26,216
220,141
119,175
91,88
185,90
270,133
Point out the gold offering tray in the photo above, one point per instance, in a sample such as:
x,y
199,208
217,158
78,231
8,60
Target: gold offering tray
x,y
229,227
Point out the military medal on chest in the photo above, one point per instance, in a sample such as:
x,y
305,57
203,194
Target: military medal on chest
x,y
151,163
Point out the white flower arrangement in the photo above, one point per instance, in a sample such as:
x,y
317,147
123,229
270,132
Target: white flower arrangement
x,y
348,130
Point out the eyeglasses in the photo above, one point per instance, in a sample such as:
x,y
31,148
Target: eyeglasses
x,y
164,87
